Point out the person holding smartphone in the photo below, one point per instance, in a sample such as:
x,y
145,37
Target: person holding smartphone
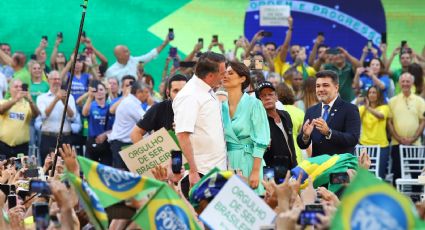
x,y
15,117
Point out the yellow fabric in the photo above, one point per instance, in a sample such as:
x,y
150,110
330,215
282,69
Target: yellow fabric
x,y
374,129
407,114
281,67
15,123
297,118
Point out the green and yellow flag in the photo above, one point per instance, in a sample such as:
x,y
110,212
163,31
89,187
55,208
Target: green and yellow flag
x,y
369,203
113,185
93,208
165,210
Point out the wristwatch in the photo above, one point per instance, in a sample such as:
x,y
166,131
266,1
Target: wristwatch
x,y
328,137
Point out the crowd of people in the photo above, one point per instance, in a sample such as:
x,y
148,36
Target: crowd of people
x,y
260,105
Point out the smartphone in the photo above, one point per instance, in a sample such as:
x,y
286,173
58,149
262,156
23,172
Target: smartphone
x,y
369,44
384,37
176,161
31,173
18,163
5,188
60,35
308,218
11,201
280,174
170,34
82,58
25,87
187,64
215,38
23,194
333,51
403,43
366,64
93,84
44,37
40,211
173,52
39,186
339,178
266,34
55,221
268,173
320,34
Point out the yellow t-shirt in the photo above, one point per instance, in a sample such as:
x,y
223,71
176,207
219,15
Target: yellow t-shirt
x,y
407,113
373,129
15,123
297,118
281,67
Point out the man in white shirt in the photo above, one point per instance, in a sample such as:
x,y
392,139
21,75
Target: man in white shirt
x,y
51,106
127,115
197,115
126,64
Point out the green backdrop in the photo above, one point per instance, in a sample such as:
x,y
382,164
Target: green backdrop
x,y
142,24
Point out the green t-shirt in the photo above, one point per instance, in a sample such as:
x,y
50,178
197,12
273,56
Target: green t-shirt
x,y
36,89
346,76
23,75
396,76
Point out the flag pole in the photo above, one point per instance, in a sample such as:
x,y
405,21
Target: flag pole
x,y
68,88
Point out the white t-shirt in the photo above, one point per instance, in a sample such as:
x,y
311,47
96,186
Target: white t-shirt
x,y
119,70
3,85
198,111
128,113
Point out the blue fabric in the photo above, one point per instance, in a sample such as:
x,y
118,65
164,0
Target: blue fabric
x,y
325,112
97,117
367,82
79,86
384,157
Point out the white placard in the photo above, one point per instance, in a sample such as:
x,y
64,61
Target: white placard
x,y
237,206
274,15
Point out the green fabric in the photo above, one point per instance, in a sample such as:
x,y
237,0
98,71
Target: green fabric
x,y
396,76
247,135
36,89
94,210
23,75
113,185
165,210
346,76
305,74
370,203
297,118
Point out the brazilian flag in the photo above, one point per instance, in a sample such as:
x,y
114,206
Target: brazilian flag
x,y
165,210
93,208
319,168
369,203
113,185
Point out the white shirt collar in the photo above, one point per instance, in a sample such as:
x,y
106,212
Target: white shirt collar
x,y
201,83
330,104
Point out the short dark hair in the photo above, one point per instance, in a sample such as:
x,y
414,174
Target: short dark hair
x,y
328,74
243,71
271,43
322,45
285,94
4,44
127,77
176,77
208,63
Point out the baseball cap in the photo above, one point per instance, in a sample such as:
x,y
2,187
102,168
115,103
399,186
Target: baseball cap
x,y
263,85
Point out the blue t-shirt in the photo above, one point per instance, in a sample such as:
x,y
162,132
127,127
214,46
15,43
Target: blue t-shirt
x,y
97,118
367,82
79,86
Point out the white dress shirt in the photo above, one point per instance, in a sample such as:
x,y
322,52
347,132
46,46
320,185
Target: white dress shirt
x,y
119,70
198,111
128,113
52,122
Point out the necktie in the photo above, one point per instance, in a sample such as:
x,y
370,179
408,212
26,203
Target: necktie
x,y
325,112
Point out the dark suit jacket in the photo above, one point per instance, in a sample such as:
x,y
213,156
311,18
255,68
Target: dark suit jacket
x,y
279,153
343,119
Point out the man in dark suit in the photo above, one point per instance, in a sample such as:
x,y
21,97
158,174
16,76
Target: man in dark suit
x,y
281,151
333,125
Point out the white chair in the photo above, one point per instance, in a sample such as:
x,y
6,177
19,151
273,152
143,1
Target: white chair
x,y
412,161
374,152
